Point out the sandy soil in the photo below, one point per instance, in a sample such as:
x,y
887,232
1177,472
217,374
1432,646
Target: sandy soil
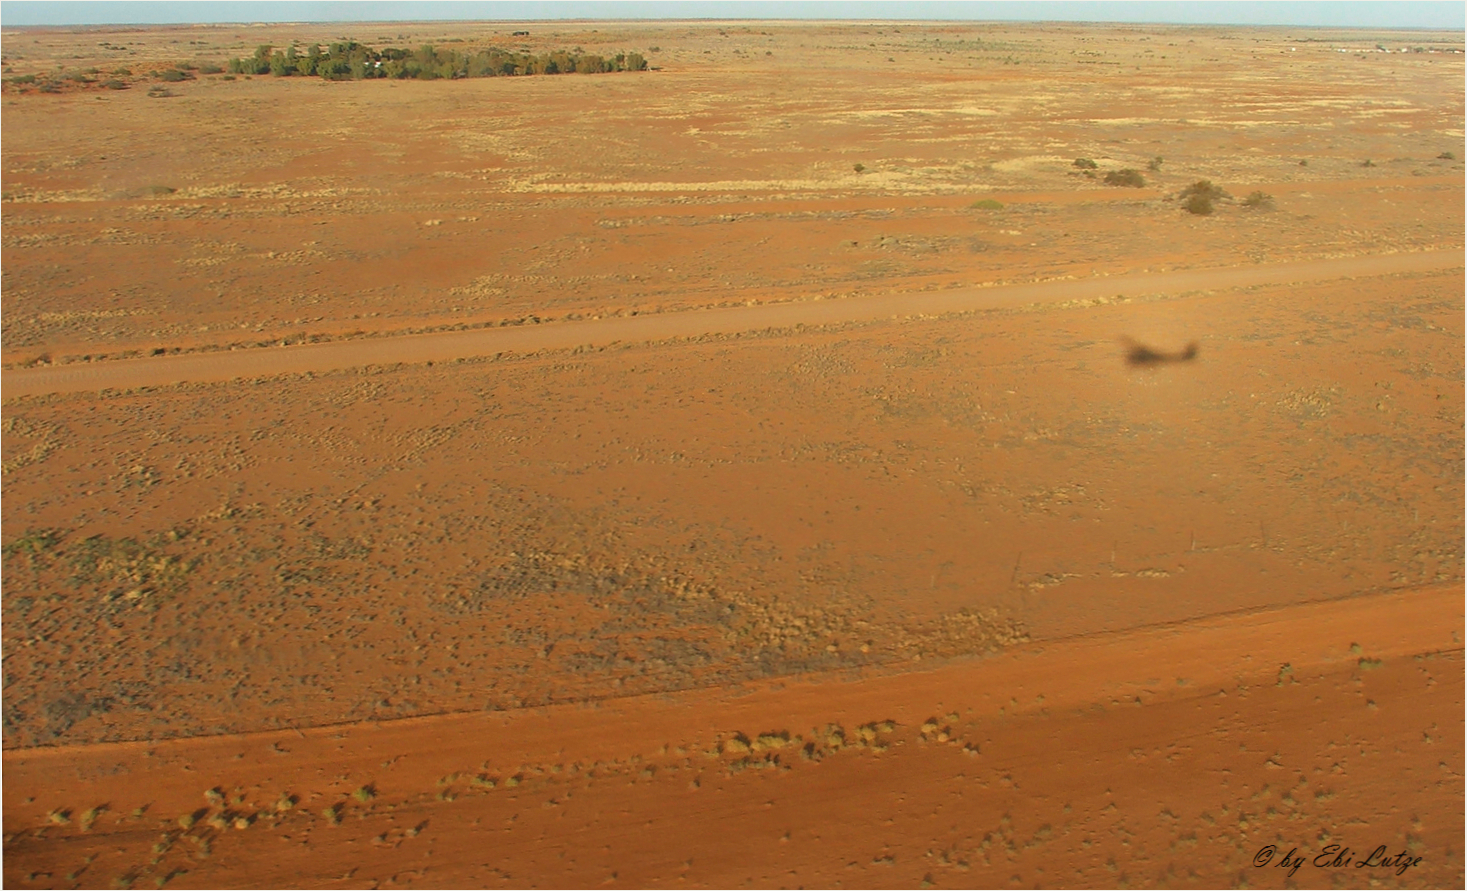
x,y
1166,757
741,517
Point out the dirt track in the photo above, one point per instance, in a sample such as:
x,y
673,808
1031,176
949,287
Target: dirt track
x,y
447,346
1042,752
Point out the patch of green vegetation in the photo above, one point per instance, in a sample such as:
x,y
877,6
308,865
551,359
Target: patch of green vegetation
x,y
349,60
125,563
1085,164
1198,198
1125,177
987,204
34,543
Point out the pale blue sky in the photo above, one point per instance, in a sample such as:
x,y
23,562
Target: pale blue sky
x,y
1321,13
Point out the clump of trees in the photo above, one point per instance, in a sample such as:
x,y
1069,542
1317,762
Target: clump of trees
x,y
349,60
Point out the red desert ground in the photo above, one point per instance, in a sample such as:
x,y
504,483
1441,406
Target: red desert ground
x,y
780,465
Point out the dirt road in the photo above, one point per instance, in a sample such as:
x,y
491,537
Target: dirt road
x,y
977,773
447,346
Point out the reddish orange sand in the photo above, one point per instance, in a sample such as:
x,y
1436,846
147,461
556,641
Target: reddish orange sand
x,y
598,480
1165,756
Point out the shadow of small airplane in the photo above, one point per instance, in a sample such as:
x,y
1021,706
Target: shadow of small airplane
x,y
1140,354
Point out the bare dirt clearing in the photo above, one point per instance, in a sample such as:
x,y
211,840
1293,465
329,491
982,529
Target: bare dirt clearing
x,y
548,432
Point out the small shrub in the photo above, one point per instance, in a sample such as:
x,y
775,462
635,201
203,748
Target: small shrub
x,y
89,817
1125,177
1258,199
49,88
113,84
1085,164
1201,205
23,79
332,815
1154,164
1303,163
227,77
209,68
987,204
364,794
172,75
860,168
1205,188
161,191
1446,156
1368,163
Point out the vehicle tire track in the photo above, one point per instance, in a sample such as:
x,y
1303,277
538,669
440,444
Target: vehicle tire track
x,y
450,345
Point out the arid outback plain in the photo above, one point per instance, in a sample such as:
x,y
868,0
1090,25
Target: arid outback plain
x,y
735,473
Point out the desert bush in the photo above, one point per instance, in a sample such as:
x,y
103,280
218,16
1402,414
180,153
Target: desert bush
x,y
1154,164
1446,156
860,168
1198,198
1205,188
172,75
1125,177
1085,164
1201,205
22,79
1367,163
210,68
1258,199
113,84
987,204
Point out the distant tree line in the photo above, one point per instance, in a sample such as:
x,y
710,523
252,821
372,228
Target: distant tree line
x,y
349,60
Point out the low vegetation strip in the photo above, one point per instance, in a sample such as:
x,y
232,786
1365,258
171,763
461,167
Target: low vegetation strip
x,y
349,60
451,345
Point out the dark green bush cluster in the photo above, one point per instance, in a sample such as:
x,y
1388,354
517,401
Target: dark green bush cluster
x,y
1085,164
349,60
1125,177
1198,198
